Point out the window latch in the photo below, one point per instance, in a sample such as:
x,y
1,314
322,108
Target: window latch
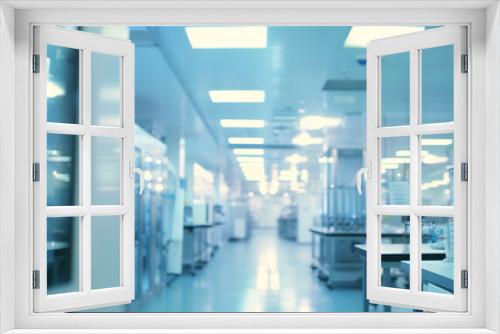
x,y
366,172
134,170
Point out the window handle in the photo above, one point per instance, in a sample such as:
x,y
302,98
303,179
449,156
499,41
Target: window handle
x,y
364,171
134,170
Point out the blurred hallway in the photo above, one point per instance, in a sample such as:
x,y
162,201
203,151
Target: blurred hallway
x,y
263,274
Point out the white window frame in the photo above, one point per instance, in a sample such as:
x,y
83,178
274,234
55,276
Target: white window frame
x,y
413,44
86,44
15,28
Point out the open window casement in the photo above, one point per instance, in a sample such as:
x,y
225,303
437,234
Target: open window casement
x,y
83,170
417,171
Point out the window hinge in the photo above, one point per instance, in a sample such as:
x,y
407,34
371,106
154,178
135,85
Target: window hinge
x,y
36,63
464,171
36,172
465,64
464,279
36,279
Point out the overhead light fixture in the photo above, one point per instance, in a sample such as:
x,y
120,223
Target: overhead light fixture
x,y
304,139
431,159
325,160
437,183
242,123
237,96
227,37
245,140
400,160
295,158
437,141
248,151
403,153
360,36
319,122
249,159
253,171
386,165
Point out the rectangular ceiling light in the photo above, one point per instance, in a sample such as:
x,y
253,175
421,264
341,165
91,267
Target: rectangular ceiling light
x,y
250,159
242,123
245,140
237,96
437,142
248,151
319,122
360,36
227,37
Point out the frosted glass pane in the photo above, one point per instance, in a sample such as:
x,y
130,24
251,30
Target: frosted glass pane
x,y
437,84
105,239
437,169
63,170
391,274
106,170
106,90
438,235
63,84
63,253
395,89
395,171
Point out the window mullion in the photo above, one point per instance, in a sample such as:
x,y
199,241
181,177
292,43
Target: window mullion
x,y
86,168
414,171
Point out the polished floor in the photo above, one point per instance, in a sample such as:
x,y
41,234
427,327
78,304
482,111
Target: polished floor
x,y
262,274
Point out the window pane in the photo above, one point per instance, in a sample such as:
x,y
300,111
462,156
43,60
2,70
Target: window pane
x,y
437,169
395,171
106,90
437,84
395,249
437,238
63,170
106,170
63,264
395,89
105,258
63,84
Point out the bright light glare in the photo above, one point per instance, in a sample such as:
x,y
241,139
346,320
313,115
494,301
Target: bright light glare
x,y
253,171
403,153
324,160
227,37
250,159
263,188
304,139
53,90
295,158
245,140
437,142
319,122
360,36
248,151
237,96
401,160
432,159
437,183
242,123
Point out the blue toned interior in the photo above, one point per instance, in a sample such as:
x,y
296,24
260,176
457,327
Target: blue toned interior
x,y
280,228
